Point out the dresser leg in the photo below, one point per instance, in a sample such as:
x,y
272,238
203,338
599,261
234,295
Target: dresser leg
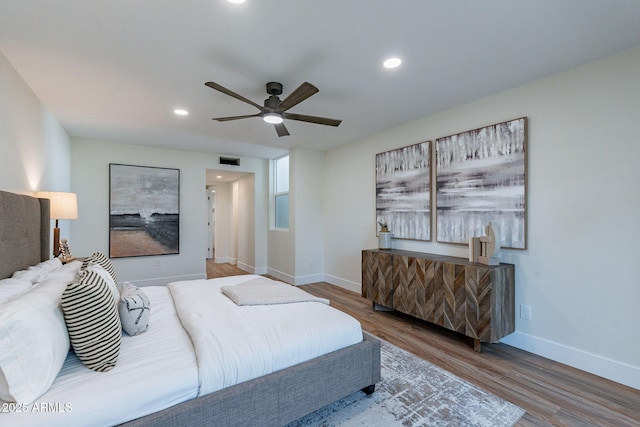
x,y
477,345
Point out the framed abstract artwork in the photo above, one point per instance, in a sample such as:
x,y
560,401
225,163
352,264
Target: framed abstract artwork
x,y
481,178
144,211
403,191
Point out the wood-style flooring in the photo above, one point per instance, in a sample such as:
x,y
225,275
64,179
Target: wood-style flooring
x,y
551,393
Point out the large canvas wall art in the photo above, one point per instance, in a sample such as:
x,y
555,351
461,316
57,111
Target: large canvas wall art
x,y
481,178
144,211
403,191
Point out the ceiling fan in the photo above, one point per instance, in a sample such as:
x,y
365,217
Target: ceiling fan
x,y
274,110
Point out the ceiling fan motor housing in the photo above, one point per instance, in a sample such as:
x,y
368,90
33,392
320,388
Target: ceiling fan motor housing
x,y
271,103
274,88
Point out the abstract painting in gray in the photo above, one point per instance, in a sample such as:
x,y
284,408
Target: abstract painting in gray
x,y
481,178
144,211
403,191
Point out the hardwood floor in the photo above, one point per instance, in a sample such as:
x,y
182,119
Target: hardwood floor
x,y
551,393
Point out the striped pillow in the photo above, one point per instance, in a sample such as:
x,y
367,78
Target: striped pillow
x,y
92,320
102,260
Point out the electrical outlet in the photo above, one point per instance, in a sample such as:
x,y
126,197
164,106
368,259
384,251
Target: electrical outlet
x,y
525,312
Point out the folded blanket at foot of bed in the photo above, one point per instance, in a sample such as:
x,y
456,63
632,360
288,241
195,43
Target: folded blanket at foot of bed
x,y
264,291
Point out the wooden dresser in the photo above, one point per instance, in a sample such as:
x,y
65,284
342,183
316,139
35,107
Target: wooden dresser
x,y
473,299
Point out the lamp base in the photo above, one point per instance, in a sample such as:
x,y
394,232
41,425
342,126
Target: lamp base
x,y
56,242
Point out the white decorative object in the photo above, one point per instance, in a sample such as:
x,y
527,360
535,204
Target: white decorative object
x,y
384,240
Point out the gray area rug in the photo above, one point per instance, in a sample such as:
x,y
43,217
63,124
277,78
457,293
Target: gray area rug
x,y
413,392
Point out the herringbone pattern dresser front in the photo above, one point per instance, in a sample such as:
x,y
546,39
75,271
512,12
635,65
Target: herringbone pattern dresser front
x,y
473,299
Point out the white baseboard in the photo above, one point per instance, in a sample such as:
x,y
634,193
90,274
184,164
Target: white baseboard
x,y
346,284
162,281
246,267
261,270
312,278
598,365
281,276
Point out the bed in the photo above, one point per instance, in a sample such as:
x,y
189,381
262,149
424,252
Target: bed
x,y
159,380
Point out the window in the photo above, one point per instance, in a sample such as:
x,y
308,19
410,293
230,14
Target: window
x,y
281,192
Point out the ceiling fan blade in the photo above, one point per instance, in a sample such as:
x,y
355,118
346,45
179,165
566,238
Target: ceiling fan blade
x,y
304,91
312,119
226,91
281,129
226,119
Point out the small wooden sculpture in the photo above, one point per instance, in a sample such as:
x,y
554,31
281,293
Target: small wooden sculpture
x,y
482,249
65,251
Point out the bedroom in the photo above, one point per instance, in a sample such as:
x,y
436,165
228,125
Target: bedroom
x,y
579,269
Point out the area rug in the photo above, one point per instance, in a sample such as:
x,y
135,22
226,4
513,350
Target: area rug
x,y
413,392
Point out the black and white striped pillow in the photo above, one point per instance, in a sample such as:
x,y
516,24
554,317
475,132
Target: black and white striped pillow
x,y
92,320
102,260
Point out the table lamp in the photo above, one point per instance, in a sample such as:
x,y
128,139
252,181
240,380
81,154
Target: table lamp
x,y
63,206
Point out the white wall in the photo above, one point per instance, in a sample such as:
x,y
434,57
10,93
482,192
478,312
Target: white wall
x,y
90,177
296,255
306,179
579,273
224,215
35,150
246,223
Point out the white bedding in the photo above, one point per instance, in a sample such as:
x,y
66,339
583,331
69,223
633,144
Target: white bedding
x,y
262,338
155,370
159,368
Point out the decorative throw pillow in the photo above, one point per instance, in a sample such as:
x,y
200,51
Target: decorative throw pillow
x,y
134,309
92,321
108,279
102,260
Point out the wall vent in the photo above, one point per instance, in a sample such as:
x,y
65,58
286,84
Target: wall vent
x,y
233,161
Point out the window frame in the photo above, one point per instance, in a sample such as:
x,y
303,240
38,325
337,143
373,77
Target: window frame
x,y
276,193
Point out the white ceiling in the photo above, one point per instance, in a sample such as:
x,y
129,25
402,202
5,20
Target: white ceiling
x,y
116,69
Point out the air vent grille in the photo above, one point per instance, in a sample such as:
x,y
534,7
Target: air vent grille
x,y
233,161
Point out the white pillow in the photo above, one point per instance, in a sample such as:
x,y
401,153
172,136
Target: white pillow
x,y
134,309
33,342
104,274
66,273
37,272
11,288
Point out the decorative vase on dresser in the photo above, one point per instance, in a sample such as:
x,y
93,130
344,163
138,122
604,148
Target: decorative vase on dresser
x,y
473,299
384,240
384,236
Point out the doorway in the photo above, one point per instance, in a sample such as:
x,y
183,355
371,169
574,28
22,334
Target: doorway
x,y
231,217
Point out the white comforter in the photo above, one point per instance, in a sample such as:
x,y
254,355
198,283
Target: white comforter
x,y
238,343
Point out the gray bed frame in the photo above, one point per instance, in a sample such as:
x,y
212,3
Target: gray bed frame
x,y
272,400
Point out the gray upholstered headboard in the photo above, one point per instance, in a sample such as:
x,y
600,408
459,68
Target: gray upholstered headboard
x,y
24,232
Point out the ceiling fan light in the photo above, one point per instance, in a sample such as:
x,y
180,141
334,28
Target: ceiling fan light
x,y
272,118
392,62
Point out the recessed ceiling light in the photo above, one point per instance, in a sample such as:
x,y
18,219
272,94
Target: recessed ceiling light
x,y
219,176
392,62
180,112
236,1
